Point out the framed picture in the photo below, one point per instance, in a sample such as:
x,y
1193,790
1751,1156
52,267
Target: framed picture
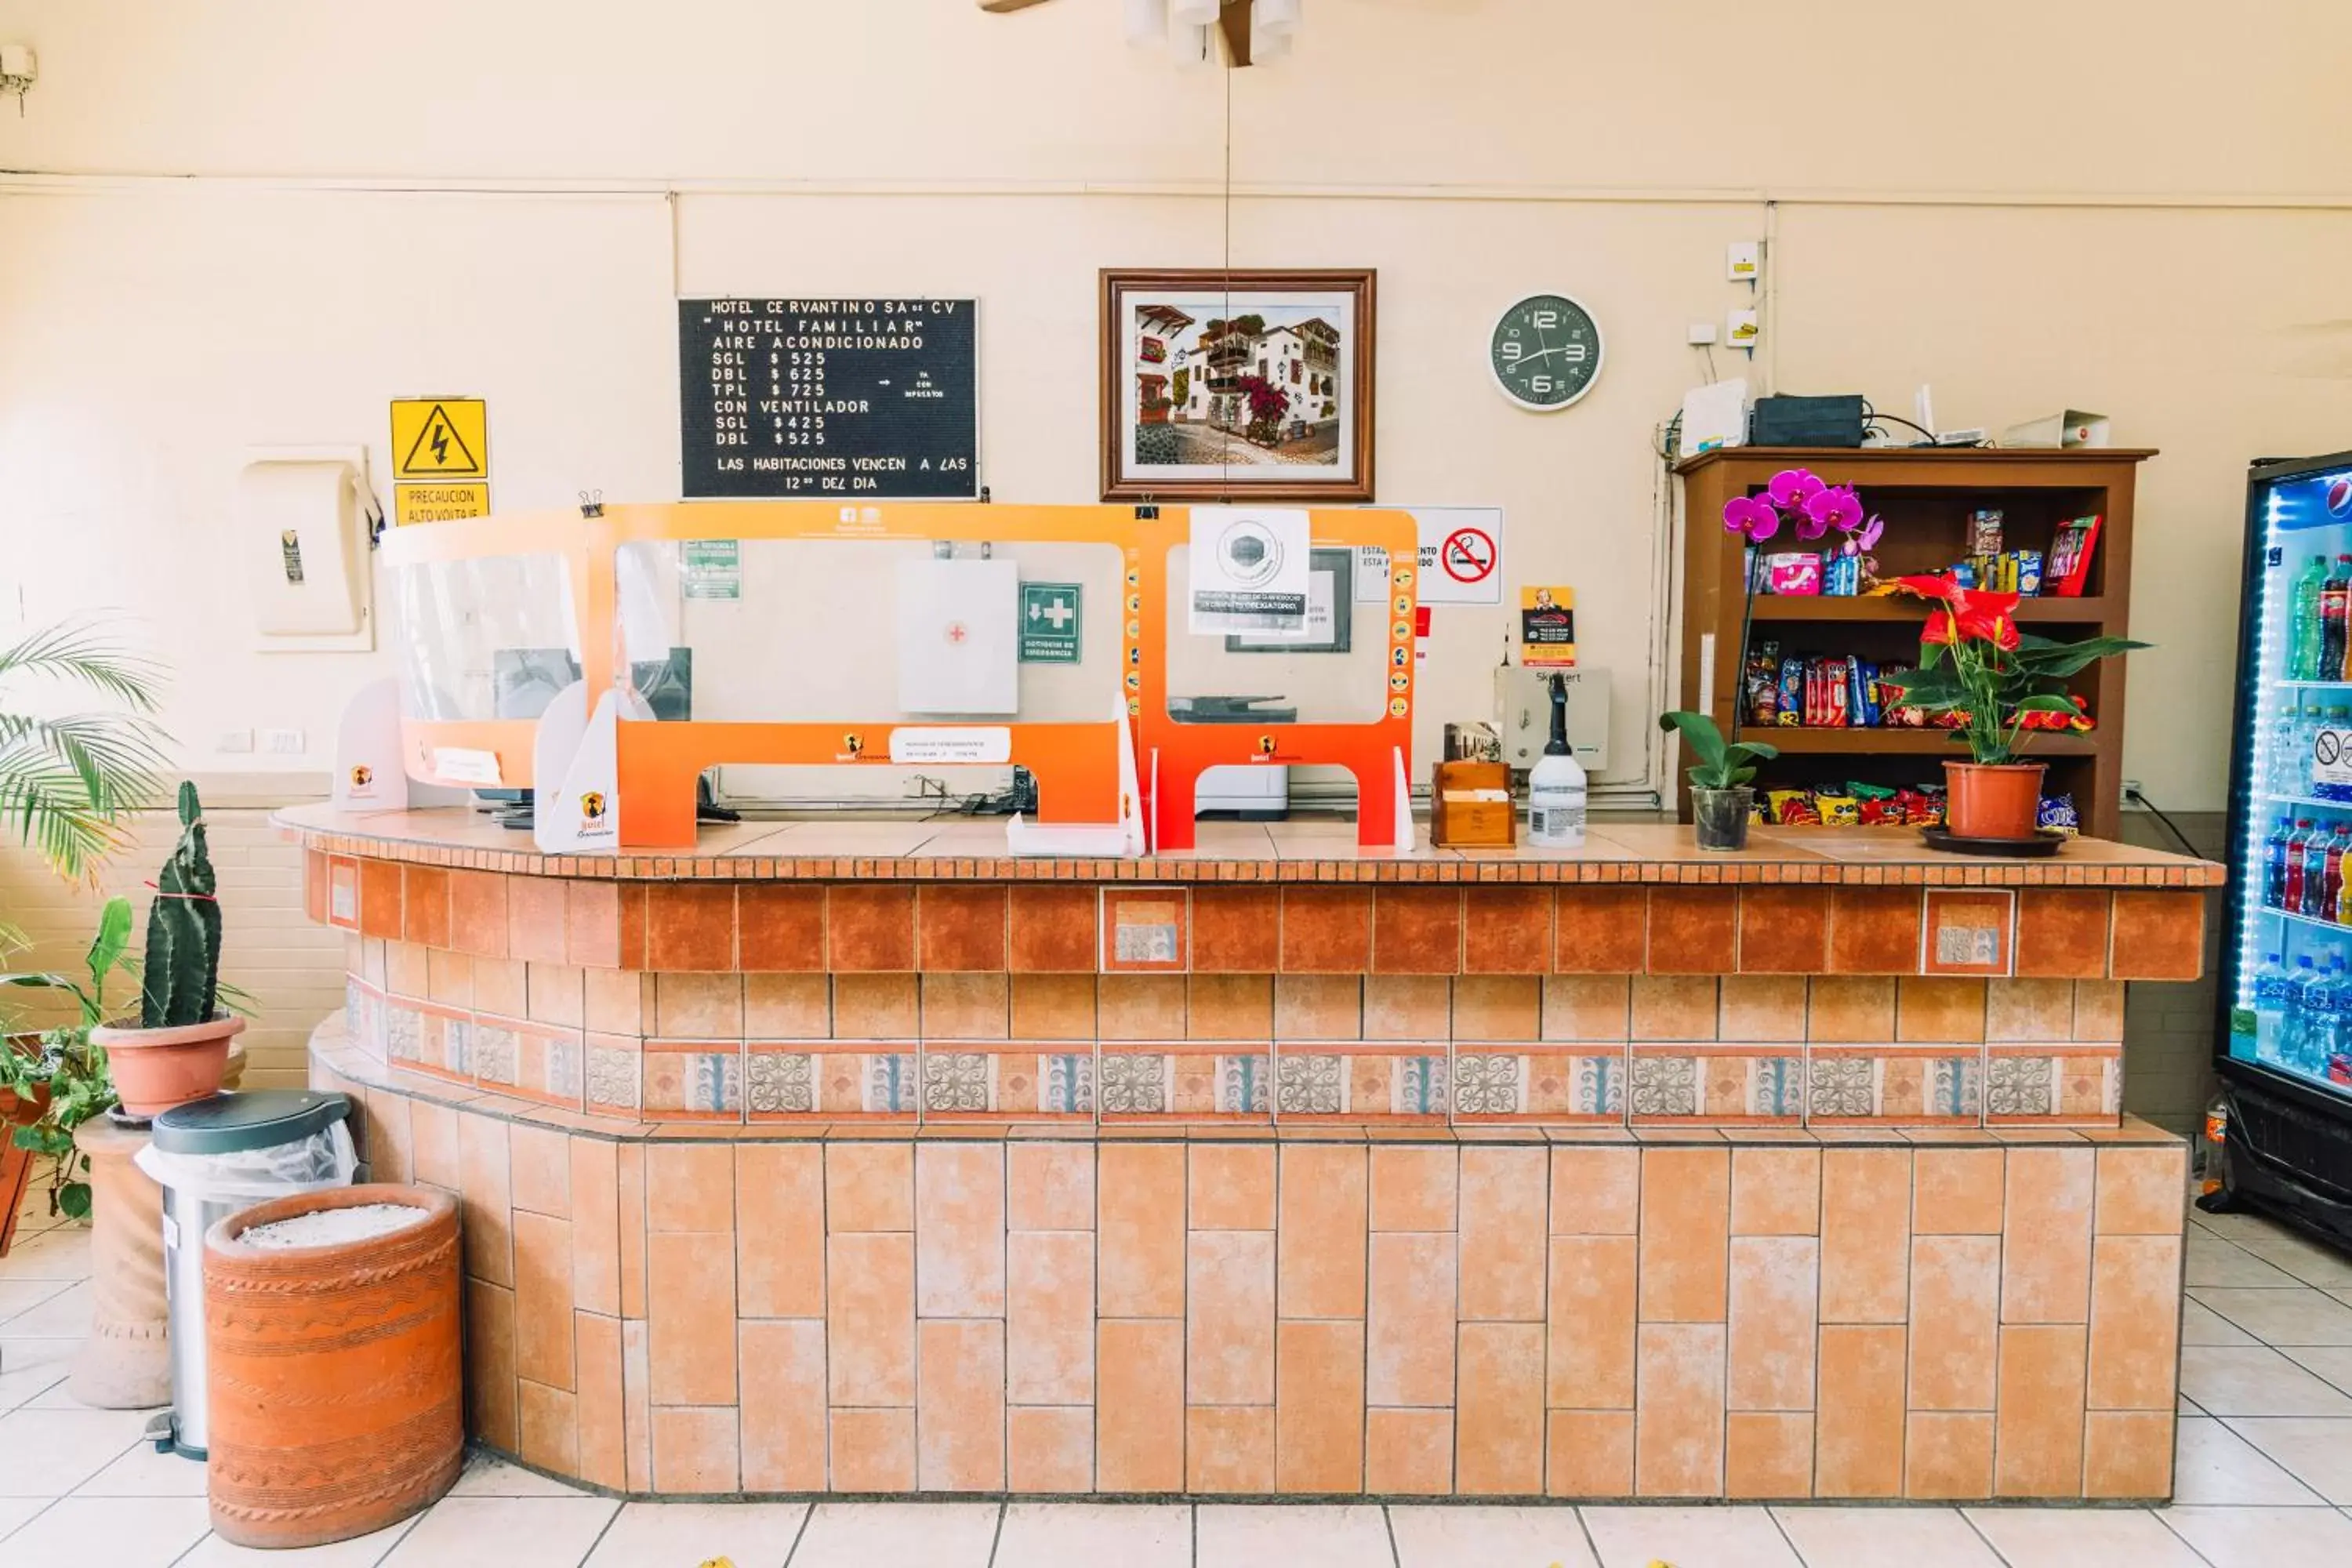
x,y
1331,595
1237,385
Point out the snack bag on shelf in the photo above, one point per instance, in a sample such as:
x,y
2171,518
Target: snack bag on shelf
x,y
1985,530
1864,684
1791,709
1761,686
1793,807
1838,810
1837,687
2057,814
1875,805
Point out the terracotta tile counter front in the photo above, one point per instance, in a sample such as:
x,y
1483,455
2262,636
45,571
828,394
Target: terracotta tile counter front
x,y
860,1158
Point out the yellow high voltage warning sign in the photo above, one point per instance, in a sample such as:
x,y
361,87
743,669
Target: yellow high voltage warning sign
x,y
440,503
440,438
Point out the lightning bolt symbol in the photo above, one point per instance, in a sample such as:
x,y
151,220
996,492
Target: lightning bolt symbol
x,y
440,443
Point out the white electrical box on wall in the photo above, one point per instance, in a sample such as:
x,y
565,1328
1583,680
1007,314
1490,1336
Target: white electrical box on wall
x,y
958,636
304,519
1523,714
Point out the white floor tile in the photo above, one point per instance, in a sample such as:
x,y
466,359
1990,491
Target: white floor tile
x,y
504,1532
2255,1380
485,1476
2214,1466
898,1535
47,1453
2214,1261
2264,1537
1302,1535
1461,1537
2331,1362
2316,1453
360,1552
2300,1317
67,1312
31,1367
2078,1537
15,1511
1688,1538
119,1532
143,1472
1087,1535
668,1534
62,1254
2307,1260
1884,1538
2201,1325
23,1295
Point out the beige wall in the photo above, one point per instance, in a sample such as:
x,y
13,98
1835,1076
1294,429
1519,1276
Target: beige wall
x,y
2141,208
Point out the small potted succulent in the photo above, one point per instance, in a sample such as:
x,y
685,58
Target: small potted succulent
x,y
178,1050
1721,798
1994,677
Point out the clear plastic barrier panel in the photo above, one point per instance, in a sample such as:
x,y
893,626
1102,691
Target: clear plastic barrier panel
x,y
488,637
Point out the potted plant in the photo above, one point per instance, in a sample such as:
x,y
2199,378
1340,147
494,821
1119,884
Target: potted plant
x,y
1721,799
1976,664
178,1050
58,1079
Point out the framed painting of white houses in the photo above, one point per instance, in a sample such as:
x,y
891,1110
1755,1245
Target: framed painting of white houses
x,y
1225,385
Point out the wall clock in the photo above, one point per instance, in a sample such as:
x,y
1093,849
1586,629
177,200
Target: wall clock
x,y
1546,352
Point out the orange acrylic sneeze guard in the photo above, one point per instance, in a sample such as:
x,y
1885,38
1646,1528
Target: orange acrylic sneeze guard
x,y
1076,764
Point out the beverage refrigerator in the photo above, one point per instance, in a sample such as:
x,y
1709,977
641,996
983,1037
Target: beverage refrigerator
x,y
2283,1035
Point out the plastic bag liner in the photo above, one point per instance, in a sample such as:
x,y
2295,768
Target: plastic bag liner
x,y
324,1159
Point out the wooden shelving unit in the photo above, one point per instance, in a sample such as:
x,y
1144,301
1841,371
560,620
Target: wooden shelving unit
x,y
1925,496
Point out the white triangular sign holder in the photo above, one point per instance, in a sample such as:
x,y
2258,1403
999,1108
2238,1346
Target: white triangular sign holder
x,y
1123,839
581,813
369,774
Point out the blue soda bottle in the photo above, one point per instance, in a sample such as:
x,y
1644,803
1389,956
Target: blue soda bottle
x,y
2274,864
2270,986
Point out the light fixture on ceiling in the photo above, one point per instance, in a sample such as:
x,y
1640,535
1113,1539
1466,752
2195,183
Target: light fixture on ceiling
x,y
1253,30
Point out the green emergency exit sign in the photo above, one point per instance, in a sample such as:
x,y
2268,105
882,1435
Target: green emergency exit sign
x,y
1049,622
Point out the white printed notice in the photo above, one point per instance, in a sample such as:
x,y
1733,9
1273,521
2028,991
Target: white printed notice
x,y
951,744
1249,571
2331,759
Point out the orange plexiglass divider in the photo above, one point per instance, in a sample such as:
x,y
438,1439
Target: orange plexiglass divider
x,y
1076,764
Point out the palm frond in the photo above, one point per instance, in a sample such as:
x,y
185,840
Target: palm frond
x,y
118,757
49,810
80,651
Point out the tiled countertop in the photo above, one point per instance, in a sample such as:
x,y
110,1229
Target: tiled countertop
x,y
1238,851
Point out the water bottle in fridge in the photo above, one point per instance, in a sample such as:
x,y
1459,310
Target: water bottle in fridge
x,y
2302,981
2271,987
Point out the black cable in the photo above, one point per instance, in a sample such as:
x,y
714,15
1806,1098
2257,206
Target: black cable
x,y
2169,826
1873,417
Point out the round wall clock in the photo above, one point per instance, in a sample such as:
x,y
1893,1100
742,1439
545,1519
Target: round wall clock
x,y
1546,352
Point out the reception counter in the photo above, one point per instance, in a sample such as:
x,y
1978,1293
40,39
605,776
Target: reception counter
x,y
861,1158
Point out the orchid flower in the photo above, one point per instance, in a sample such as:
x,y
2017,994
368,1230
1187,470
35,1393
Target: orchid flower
x,y
1751,516
1791,488
1868,537
1835,507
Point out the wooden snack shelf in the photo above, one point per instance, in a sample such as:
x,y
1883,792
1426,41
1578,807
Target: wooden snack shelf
x,y
1925,495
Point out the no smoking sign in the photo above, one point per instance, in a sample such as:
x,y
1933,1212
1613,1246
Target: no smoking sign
x,y
1461,557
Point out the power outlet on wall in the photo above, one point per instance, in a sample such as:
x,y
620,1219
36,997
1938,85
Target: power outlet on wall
x,y
234,741
284,742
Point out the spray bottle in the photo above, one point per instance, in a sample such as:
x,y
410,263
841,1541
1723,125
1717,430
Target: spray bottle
x,y
1556,784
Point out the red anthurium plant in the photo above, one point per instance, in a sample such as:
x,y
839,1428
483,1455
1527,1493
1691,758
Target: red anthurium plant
x,y
1995,674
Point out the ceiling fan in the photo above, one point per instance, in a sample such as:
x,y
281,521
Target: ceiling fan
x,y
1259,28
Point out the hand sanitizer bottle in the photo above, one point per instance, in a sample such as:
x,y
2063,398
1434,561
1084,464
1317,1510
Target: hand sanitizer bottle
x,y
1556,785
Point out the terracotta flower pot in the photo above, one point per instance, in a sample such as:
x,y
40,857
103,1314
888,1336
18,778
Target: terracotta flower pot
x,y
155,1070
1989,800
335,1375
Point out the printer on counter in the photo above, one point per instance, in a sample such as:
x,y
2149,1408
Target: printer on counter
x,y
1251,792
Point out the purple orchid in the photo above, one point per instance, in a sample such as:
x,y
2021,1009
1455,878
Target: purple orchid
x,y
1792,488
1751,516
1835,506
1868,537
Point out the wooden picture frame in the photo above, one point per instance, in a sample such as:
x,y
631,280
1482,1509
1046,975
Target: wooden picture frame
x,y
1312,343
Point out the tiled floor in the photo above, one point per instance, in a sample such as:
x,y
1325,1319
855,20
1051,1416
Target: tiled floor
x,y
2265,1480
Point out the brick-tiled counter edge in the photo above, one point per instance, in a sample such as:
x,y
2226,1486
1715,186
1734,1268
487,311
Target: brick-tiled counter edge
x,y
1524,1310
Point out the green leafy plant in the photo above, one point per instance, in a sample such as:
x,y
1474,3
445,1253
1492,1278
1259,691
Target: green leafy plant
x,y
61,1071
1996,675
181,984
1721,764
66,781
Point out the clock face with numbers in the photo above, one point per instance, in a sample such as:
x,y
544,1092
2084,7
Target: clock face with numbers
x,y
1546,352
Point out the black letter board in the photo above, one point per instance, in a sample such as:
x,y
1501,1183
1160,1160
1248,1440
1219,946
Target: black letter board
x,y
875,399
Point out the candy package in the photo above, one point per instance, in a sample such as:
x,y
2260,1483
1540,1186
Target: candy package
x,y
2057,814
1760,696
1793,807
1837,689
1875,805
1984,531
1838,810
1791,693
1865,688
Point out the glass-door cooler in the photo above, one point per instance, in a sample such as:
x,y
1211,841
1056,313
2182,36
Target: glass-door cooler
x,y
2284,1033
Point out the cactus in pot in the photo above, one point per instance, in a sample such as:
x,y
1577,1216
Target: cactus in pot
x,y
180,983
179,1050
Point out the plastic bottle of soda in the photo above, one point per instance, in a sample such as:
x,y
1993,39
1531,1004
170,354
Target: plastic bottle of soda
x,y
2303,661
2331,885
2315,874
2334,595
2290,891
2274,864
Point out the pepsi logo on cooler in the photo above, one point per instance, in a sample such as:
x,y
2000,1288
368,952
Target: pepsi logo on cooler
x,y
2339,496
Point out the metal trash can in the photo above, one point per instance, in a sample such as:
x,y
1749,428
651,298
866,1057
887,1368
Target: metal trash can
x,y
212,1158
